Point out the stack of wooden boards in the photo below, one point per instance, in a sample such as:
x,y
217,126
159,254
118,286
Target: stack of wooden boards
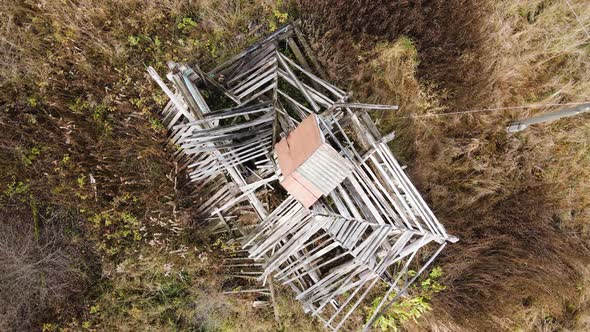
x,y
300,177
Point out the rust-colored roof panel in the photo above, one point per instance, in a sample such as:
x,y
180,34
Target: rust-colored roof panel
x,y
310,186
299,145
310,167
302,194
286,163
305,140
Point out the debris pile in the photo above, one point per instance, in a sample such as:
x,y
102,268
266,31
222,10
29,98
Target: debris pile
x,y
343,217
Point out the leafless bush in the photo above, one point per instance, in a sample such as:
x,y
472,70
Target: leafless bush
x,y
42,265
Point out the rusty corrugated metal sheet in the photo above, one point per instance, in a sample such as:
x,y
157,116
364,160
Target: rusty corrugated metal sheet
x,y
325,169
310,167
299,145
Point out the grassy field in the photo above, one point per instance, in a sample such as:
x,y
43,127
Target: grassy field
x,y
95,233
518,202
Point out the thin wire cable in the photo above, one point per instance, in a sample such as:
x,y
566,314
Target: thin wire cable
x,y
486,110
577,18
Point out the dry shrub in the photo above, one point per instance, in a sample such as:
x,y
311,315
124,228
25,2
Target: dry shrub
x,y
45,267
519,203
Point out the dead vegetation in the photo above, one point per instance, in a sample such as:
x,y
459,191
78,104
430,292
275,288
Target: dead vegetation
x,y
78,132
447,33
45,262
518,202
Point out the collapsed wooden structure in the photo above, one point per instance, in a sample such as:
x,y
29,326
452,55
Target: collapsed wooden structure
x,y
350,218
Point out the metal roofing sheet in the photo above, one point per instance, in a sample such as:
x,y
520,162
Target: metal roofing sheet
x,y
305,196
299,145
311,167
325,169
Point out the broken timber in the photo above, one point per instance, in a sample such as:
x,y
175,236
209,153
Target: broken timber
x,y
351,218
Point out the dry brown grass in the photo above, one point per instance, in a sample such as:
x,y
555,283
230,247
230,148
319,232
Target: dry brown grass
x,y
519,203
44,264
76,103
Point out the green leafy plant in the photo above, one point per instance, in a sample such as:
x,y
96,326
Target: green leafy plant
x,y
278,17
156,124
281,17
47,327
95,309
66,159
133,40
31,155
186,24
411,307
400,312
117,231
79,105
32,101
81,180
16,188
